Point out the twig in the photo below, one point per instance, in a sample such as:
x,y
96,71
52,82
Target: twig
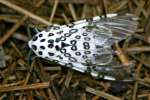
x,y
12,84
27,87
65,18
143,96
101,94
12,30
68,78
134,96
55,90
53,11
17,25
73,13
16,49
27,77
139,49
140,8
83,96
84,11
2,58
29,73
92,2
140,60
103,7
23,11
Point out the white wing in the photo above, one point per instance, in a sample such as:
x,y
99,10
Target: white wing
x,y
87,42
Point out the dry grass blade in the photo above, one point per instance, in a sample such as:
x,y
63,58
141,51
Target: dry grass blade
x,y
53,11
65,18
72,10
139,49
13,84
12,30
16,26
26,87
2,58
135,90
93,2
25,12
16,49
83,96
68,78
101,94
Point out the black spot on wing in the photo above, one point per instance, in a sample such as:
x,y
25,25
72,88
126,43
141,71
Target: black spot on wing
x,y
86,45
51,54
67,34
40,52
67,54
78,53
64,45
34,47
57,48
57,39
63,50
50,41
42,47
77,36
34,38
62,38
50,45
84,57
40,35
50,34
84,33
73,30
74,48
73,42
87,38
59,56
87,52
60,32
72,59
42,40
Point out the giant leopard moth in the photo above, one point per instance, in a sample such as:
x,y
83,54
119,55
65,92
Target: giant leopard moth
x,y
86,45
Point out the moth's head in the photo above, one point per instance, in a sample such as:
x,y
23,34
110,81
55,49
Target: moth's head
x,y
36,43
42,44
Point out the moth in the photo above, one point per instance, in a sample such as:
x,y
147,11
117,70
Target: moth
x,y
86,45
